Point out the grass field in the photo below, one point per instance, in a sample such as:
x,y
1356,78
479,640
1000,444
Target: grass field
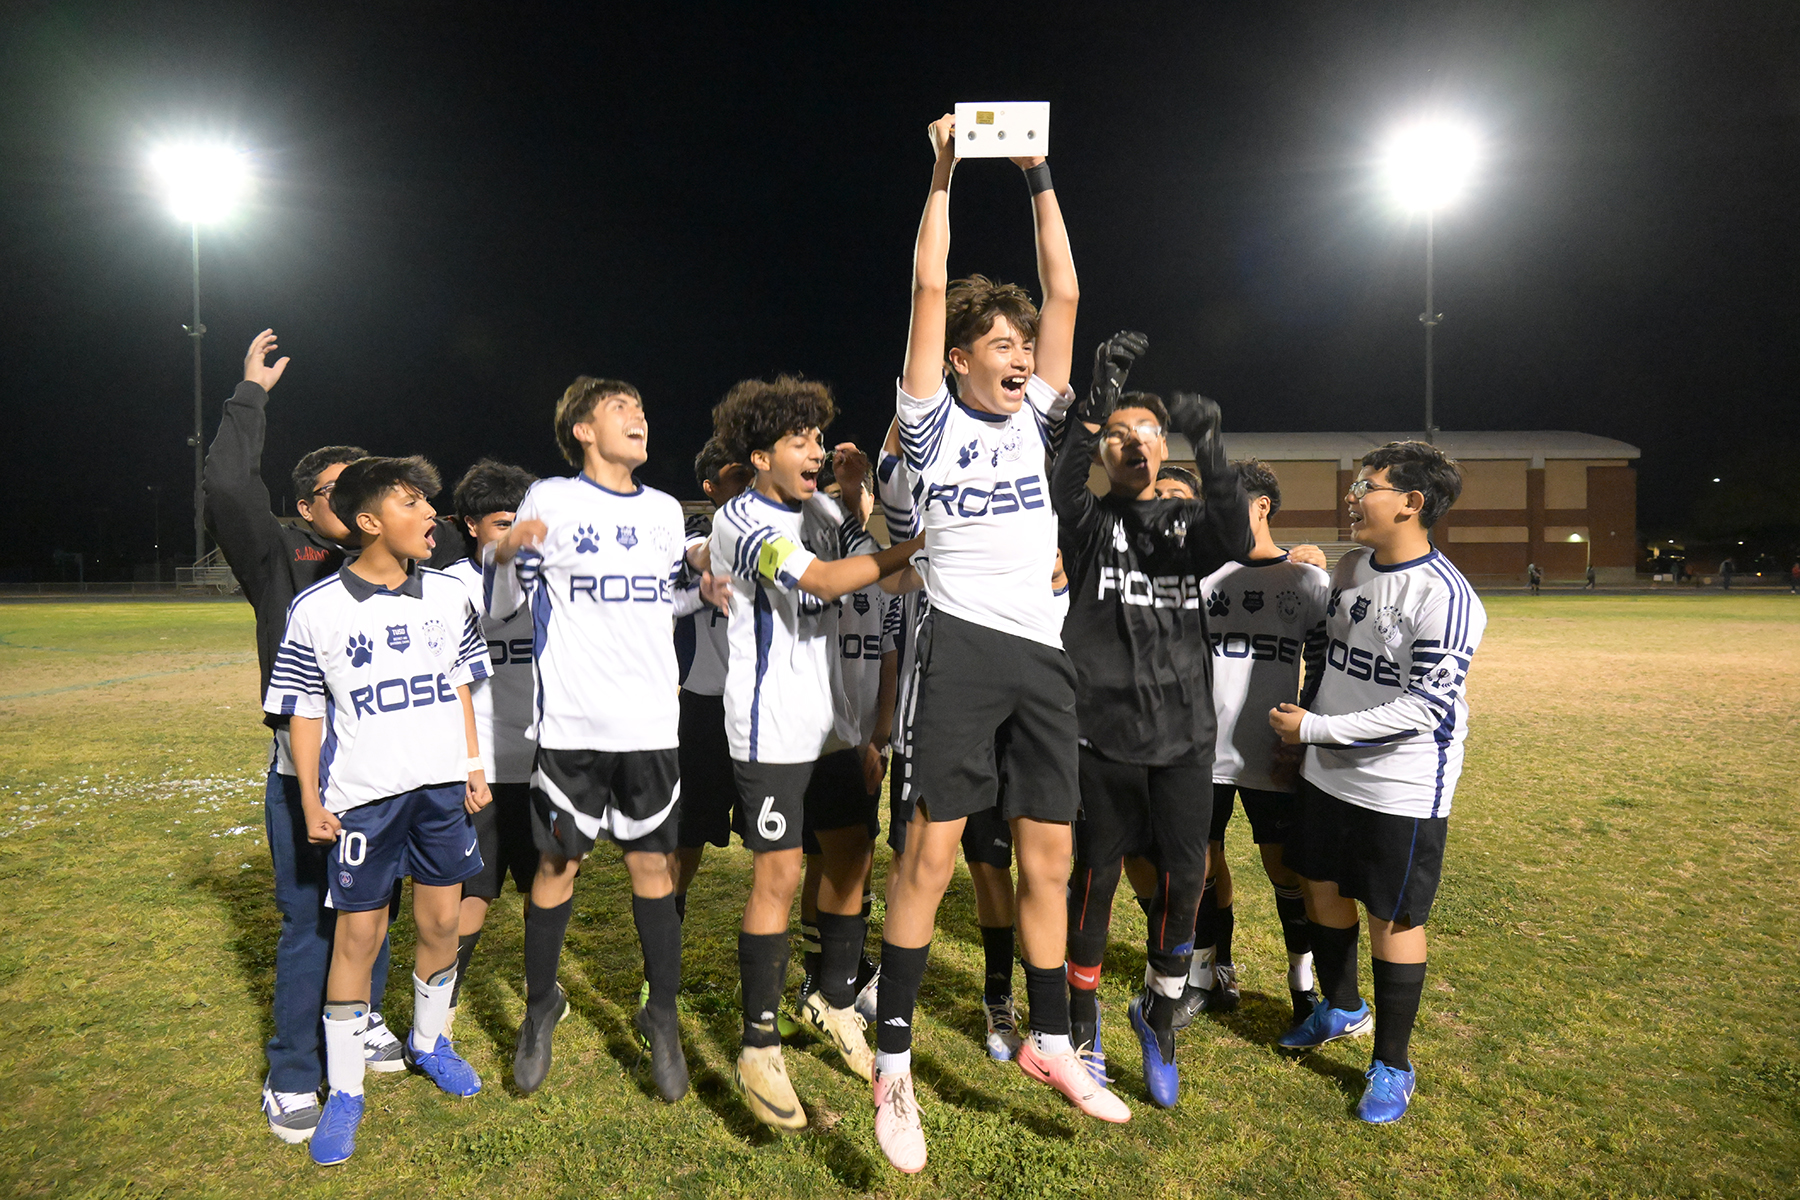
x,y
1613,963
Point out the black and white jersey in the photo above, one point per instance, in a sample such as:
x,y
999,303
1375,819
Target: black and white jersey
x,y
1389,716
602,593
981,495
502,701
1265,617
867,624
701,647
381,667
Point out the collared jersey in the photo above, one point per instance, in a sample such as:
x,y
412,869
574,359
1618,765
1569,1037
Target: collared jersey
x,y
1387,721
1264,618
778,693
502,701
868,621
382,668
981,493
603,607
700,637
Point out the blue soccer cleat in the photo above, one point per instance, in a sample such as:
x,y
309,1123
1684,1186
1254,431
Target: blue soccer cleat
x,y
1385,1098
1160,1075
334,1141
1328,1024
444,1067
1093,1057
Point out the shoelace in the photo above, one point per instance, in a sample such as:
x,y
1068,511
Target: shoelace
x,y
900,1100
287,1102
1003,1018
1093,1063
377,1029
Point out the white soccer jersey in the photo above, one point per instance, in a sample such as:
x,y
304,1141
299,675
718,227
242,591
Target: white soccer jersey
x,y
778,694
981,494
1388,719
603,607
1261,617
503,701
867,622
382,668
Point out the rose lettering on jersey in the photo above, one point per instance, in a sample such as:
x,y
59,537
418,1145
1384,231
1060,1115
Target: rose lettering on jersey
x,y
621,589
1358,663
1007,496
1262,647
867,645
516,652
1162,591
393,695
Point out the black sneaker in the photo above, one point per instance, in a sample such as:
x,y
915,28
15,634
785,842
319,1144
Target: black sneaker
x,y
531,1059
668,1065
1193,1002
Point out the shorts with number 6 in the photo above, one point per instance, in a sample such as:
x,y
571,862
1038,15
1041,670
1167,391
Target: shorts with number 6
x,y
771,803
422,833
629,797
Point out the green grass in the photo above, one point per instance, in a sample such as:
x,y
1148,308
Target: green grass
x,y
1612,963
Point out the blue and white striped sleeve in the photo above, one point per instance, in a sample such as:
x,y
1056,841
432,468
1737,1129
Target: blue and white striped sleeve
x,y
297,680
1429,696
1051,408
891,622
896,500
922,424
472,660
758,551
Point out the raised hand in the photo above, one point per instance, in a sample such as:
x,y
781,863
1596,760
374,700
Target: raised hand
x,y
1113,359
851,466
1200,420
942,133
256,367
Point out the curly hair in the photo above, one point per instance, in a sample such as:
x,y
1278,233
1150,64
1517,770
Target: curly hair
x,y
367,481
757,413
971,305
1259,480
577,405
1419,467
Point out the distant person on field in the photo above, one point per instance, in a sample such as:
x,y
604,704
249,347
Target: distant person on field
x,y
1534,577
1794,580
1589,585
1725,570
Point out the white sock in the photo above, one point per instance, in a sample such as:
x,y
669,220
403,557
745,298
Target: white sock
x,y
1300,972
344,1053
1163,985
899,1063
431,1004
1051,1043
1200,973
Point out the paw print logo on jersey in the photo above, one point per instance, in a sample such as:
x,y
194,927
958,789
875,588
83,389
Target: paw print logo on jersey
x,y
1388,620
1287,606
968,453
1253,601
627,536
1359,610
586,540
360,651
398,637
1121,543
1217,604
1332,605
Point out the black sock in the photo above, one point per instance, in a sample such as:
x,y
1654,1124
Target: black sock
x,y
762,965
809,947
1146,903
659,932
1290,906
465,950
1048,996
1159,1013
840,955
1398,987
997,949
1224,924
1206,918
1334,960
681,906
1084,1007
544,930
902,969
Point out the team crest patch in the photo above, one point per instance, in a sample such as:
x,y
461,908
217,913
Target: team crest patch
x,y
1012,444
1218,604
663,538
627,536
1359,610
398,637
1253,601
1387,623
434,636
360,651
859,602
1440,676
346,879
1287,605
586,540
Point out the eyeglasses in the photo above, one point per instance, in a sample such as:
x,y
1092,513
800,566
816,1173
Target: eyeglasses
x,y
1363,487
323,491
1115,434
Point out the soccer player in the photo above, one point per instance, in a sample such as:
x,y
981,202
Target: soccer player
x,y
990,652
597,555
373,674
790,551
1383,728
1138,638
1265,616
486,498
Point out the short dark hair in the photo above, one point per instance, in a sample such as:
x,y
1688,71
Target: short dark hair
x,y
311,466
757,413
1259,480
1146,400
970,306
577,405
711,462
1181,475
367,481
491,487
1420,467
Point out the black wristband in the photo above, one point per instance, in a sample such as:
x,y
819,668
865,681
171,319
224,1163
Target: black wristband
x,y
1038,178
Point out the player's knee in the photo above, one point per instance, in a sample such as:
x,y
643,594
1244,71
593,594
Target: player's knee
x,y
777,874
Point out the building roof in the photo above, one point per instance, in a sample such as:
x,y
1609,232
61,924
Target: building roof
x,y
1348,448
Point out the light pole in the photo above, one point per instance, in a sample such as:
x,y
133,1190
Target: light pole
x,y
1427,165
202,184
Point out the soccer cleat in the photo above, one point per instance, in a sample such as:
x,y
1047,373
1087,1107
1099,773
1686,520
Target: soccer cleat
x,y
1161,1078
761,1074
1071,1075
531,1057
1087,1049
843,1028
865,996
381,1049
1387,1094
668,1065
1225,987
1328,1024
1304,1003
444,1066
292,1115
1193,1002
1003,1040
897,1128
335,1140
786,1026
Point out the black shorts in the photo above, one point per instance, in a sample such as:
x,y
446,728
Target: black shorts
x,y
630,797
971,681
504,831
836,799
771,808
423,833
708,788
1271,813
987,839
1159,813
1389,862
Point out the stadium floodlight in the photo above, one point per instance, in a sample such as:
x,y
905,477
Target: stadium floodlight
x,y
202,183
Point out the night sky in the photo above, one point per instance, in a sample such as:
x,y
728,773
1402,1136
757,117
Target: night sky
x,y
460,207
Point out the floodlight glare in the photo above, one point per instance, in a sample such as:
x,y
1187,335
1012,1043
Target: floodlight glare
x,y
1428,164
202,183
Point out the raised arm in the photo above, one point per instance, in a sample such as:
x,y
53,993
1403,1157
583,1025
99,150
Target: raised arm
x,y
923,371
1055,357
237,500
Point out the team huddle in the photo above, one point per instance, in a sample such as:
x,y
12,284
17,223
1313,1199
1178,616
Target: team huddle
x,y
1067,685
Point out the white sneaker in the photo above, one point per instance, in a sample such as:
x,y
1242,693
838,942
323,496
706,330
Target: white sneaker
x,y
843,1028
761,1075
1003,1040
897,1127
292,1115
865,999
382,1051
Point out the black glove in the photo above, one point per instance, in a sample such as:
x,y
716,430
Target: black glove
x,y
1199,420
1112,363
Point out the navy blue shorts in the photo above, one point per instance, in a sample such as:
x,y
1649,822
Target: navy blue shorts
x,y
423,833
